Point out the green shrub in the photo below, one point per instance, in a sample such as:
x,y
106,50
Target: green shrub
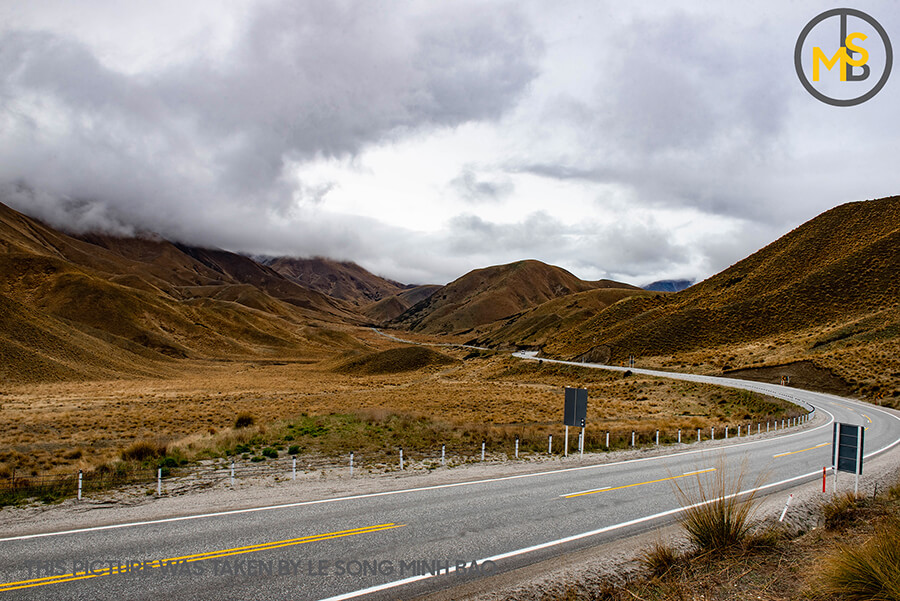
x,y
293,449
270,453
257,459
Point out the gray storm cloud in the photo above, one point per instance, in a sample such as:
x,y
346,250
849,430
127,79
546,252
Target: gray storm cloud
x,y
198,150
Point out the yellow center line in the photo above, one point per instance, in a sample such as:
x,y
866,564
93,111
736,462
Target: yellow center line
x,y
158,563
867,418
608,489
818,446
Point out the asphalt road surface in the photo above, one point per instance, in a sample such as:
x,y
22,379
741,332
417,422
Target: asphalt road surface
x,y
401,544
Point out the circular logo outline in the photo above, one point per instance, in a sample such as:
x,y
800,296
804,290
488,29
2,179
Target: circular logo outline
x,y
888,53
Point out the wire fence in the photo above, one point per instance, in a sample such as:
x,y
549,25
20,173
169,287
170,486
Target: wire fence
x,y
17,488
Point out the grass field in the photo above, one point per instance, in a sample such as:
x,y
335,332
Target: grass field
x,y
457,395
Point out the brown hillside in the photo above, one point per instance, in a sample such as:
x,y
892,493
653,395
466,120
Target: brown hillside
x,y
338,279
97,306
395,360
535,327
826,288
391,307
486,295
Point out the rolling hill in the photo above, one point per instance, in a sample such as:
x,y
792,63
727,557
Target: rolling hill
x,y
97,306
827,291
486,295
338,279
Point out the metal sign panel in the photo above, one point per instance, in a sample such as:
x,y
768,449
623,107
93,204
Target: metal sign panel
x,y
575,412
848,440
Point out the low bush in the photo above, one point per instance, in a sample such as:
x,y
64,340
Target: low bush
x,y
870,572
244,420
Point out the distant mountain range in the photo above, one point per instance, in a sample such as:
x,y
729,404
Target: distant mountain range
x,y
669,285
95,306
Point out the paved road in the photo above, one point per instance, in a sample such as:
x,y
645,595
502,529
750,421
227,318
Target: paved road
x,y
387,545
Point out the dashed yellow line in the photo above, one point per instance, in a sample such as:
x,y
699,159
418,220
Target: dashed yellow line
x,y
158,563
818,446
611,488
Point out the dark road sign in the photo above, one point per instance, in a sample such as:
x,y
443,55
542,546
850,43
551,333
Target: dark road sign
x,y
575,413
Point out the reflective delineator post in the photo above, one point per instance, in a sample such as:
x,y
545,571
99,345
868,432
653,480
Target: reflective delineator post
x,y
232,472
549,444
712,433
679,435
698,434
566,443
294,469
79,484
607,440
159,482
657,438
517,447
726,432
632,438
443,454
786,505
401,458
351,464
483,443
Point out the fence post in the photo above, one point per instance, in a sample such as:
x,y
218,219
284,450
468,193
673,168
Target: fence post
x,y
159,482
294,469
232,472
351,464
79,484
443,453
517,447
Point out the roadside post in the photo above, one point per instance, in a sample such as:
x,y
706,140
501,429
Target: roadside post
x,y
575,413
848,441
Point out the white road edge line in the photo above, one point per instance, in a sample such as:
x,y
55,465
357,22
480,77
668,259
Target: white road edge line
x,y
561,541
581,492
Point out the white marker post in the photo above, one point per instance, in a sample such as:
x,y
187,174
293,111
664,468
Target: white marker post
x,y
443,454
786,505
679,435
566,444
159,482
632,438
607,440
351,464
517,447
657,438
401,458
550,444
232,473
79,484
698,434
294,469
483,443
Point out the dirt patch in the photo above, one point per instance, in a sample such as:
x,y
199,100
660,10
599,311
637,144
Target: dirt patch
x,y
802,374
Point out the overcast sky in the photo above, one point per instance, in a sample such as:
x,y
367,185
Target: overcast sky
x,y
634,141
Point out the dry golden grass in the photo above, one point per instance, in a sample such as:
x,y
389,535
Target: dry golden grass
x,y
63,426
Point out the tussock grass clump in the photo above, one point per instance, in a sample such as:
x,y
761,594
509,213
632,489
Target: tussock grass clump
x,y
143,450
716,517
870,572
660,559
244,420
844,510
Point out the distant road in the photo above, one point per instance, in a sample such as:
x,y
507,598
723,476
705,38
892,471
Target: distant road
x,y
327,549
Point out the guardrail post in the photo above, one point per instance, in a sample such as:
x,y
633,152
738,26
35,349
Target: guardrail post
x,y
79,484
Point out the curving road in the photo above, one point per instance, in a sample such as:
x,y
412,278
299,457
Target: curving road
x,y
401,544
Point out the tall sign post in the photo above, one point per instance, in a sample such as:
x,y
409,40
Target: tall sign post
x,y
848,442
575,414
